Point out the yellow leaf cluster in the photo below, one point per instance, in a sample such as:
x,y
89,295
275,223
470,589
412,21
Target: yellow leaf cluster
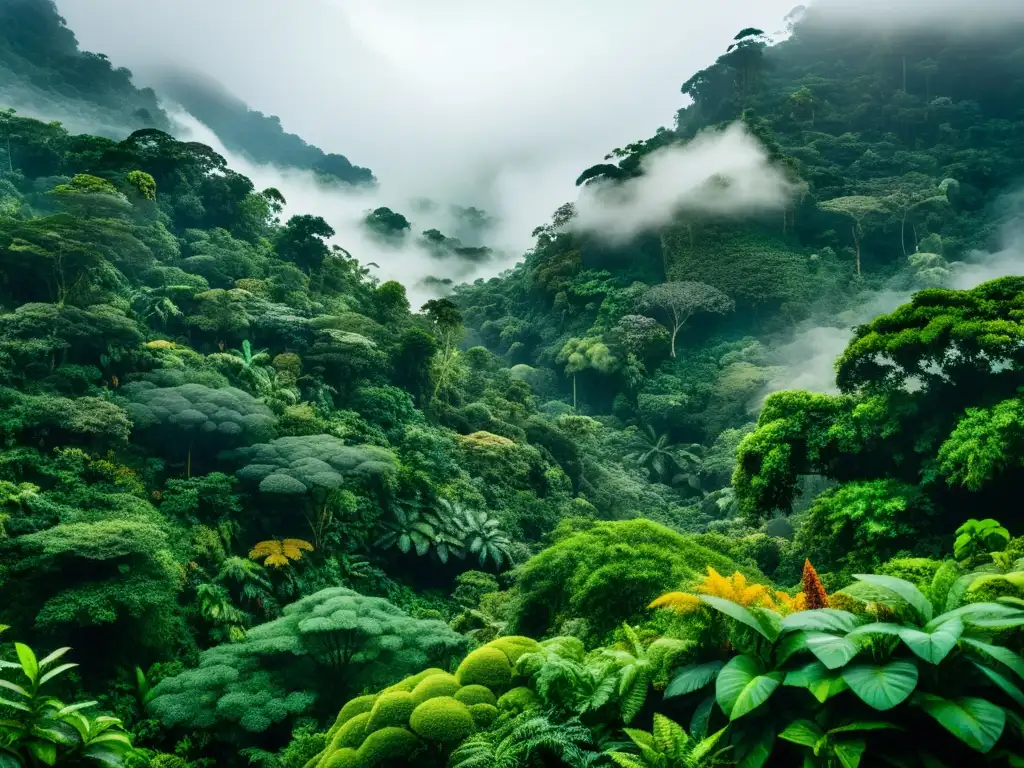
x,y
277,553
734,588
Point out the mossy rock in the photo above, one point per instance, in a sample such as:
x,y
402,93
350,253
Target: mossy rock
x,y
483,715
351,734
343,758
387,745
485,666
476,694
518,700
430,687
391,710
514,646
413,680
443,719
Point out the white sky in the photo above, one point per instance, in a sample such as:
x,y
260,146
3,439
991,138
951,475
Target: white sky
x,y
488,102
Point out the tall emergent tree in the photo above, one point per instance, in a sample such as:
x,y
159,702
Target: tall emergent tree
x,y
678,301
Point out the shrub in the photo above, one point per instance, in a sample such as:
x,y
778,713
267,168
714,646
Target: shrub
x,y
386,745
483,714
442,719
343,758
514,646
434,686
486,666
518,700
413,680
476,694
352,733
608,573
356,706
391,709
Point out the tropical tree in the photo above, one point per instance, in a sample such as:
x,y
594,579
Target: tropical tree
x,y
677,302
668,461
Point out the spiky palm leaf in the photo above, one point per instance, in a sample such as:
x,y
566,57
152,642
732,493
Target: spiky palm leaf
x,y
666,460
478,533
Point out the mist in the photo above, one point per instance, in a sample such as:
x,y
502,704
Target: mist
x,y
497,105
344,208
725,173
807,361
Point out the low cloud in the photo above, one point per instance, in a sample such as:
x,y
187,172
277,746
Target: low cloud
x,y
807,360
725,173
344,208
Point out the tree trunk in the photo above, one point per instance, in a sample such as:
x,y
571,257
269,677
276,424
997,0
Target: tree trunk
x,y
188,464
903,229
574,391
856,243
675,330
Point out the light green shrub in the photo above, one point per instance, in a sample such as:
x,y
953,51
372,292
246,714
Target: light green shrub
x,y
514,646
343,758
351,734
483,715
485,666
442,719
430,687
476,694
386,745
518,700
391,710
413,680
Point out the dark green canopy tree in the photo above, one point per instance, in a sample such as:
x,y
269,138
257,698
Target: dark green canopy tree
x,y
306,470
204,420
324,648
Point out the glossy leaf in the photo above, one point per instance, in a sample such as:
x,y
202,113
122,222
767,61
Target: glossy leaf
x,y
739,613
743,685
833,651
882,687
976,722
803,732
902,589
935,646
821,620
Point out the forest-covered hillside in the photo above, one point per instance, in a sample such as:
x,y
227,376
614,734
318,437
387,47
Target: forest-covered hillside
x,y
255,509
44,73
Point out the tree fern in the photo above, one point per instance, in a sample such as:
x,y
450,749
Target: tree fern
x,y
515,742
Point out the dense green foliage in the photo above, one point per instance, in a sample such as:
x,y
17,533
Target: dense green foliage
x,y
552,519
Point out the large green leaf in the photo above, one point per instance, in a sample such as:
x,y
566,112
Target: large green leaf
x,y
743,685
1003,682
882,687
935,646
972,612
803,732
754,749
741,614
850,752
9,761
877,628
693,678
789,644
821,620
902,589
28,662
833,651
976,722
822,683
998,653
